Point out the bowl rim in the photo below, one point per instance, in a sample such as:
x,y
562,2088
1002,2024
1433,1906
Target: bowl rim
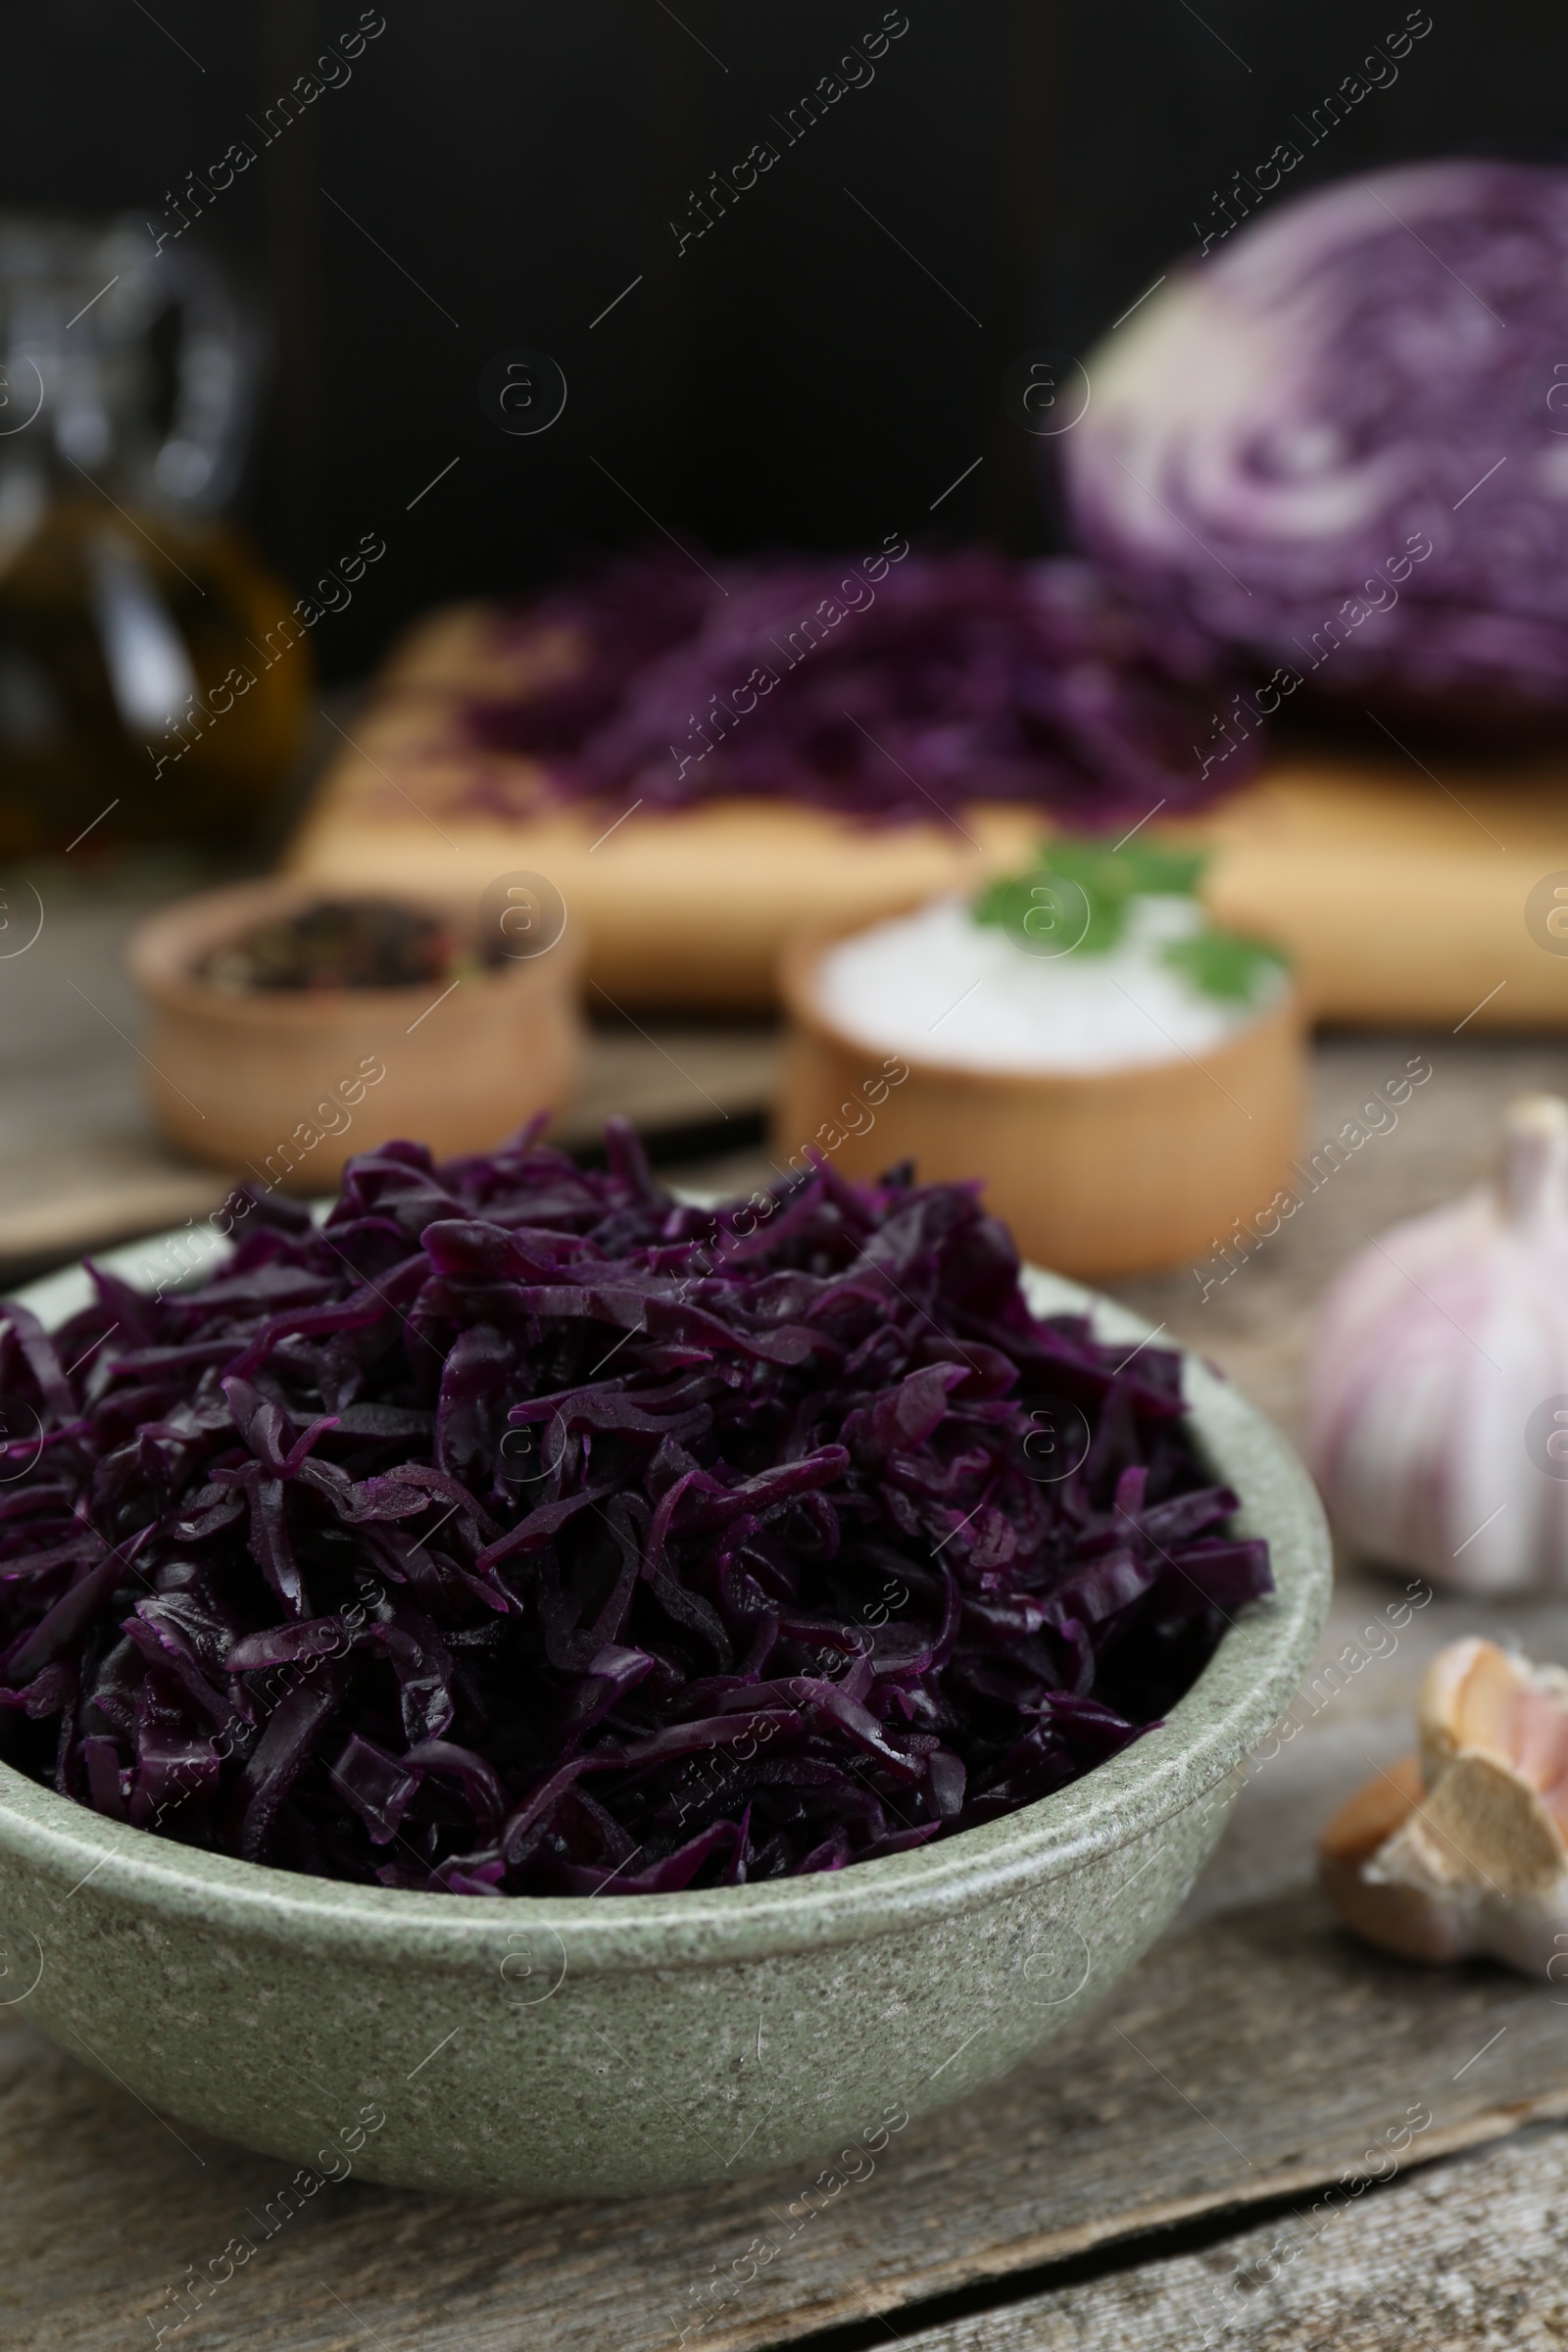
x,y
802,956
1249,1680
162,948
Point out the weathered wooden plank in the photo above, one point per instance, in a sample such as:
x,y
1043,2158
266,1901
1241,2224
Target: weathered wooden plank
x,y
1256,2054
1468,2257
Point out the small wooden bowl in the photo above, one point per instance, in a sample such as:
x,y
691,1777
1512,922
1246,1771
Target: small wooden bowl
x,y
284,1081
1119,1172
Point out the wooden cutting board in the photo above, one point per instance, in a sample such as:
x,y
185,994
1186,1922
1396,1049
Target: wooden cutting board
x,y
1401,894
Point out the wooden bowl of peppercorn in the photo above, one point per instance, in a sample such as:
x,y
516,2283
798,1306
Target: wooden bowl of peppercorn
x,y
290,1028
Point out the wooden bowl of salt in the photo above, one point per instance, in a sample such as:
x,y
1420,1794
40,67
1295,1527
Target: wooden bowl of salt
x,y
1119,1120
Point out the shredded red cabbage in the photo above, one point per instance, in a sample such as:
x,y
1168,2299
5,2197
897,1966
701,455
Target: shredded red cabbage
x,y
890,687
1340,440
524,1531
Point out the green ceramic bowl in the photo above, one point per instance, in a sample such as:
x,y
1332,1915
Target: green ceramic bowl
x,y
587,2048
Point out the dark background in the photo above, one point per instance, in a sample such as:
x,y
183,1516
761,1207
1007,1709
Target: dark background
x,y
793,377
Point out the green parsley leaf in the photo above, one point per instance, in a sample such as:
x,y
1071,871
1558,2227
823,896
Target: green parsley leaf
x,y
1032,905
1223,964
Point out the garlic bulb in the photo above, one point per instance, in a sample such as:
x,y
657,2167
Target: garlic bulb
x,y
1463,1850
1438,1389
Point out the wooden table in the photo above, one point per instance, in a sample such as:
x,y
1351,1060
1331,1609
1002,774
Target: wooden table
x,y
1196,2162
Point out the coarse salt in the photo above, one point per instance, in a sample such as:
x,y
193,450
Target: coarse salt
x,y
938,986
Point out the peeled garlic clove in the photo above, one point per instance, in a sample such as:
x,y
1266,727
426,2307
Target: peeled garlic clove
x,y
1432,1352
1462,1849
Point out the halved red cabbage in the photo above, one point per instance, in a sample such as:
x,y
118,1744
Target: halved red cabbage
x,y
898,687
522,1530
1339,441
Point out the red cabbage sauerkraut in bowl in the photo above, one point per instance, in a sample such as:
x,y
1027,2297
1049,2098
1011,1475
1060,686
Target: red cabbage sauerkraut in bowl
x,y
520,1529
